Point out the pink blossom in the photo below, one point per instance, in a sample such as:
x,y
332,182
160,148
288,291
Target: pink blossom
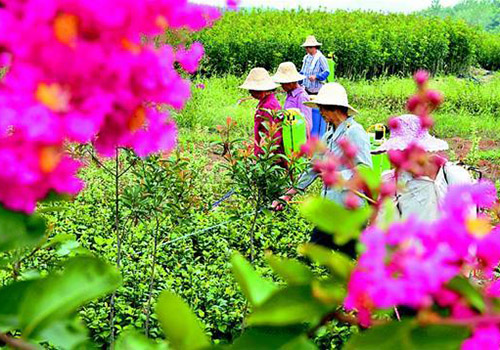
x,y
393,123
421,77
434,97
349,149
413,103
233,4
84,76
411,262
190,59
485,337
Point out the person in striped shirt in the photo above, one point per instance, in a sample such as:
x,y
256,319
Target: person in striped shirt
x,y
314,67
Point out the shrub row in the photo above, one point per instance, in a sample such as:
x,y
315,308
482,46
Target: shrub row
x,y
365,44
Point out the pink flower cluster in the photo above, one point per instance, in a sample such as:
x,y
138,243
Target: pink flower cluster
x,y
410,263
425,101
79,71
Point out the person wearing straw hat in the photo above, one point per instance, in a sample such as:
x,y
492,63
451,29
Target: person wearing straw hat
x,y
261,87
288,76
421,195
314,66
334,106
316,69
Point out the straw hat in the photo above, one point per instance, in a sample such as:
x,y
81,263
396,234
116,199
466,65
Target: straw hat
x,y
332,94
259,80
409,131
287,73
311,41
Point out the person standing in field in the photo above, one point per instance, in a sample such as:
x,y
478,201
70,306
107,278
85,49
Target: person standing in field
x,y
421,195
288,76
261,87
334,106
314,66
316,70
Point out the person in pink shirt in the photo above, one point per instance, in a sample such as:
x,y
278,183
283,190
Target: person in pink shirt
x,y
289,78
261,87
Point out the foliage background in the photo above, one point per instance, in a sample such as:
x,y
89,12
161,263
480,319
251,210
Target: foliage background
x,y
365,44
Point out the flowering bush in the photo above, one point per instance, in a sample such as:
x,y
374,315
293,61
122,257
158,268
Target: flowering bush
x,y
85,76
74,71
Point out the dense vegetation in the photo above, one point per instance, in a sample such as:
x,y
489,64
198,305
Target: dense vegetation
x,y
483,13
364,44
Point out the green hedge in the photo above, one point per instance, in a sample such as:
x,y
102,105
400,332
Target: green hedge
x,y
489,51
366,44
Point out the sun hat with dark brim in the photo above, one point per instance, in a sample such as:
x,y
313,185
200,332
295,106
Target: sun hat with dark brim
x,y
311,42
259,80
332,94
287,73
408,132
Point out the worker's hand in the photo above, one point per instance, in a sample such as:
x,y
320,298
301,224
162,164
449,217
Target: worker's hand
x,y
279,205
312,78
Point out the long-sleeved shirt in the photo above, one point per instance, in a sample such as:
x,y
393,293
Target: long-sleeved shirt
x,y
268,103
355,134
422,196
316,65
296,99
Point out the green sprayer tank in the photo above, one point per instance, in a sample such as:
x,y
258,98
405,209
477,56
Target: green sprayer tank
x,y
381,163
294,131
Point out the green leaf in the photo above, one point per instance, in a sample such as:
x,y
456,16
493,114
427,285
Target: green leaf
x,y
59,239
267,338
82,280
19,230
439,337
301,343
372,179
288,306
339,264
12,296
334,219
256,289
135,341
66,334
463,287
407,335
179,323
292,271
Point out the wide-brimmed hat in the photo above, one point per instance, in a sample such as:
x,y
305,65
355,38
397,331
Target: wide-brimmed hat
x,y
332,94
409,131
311,42
259,80
287,73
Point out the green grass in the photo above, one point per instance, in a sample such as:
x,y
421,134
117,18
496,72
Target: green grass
x,y
467,105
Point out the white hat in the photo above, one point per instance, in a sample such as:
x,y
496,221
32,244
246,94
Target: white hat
x,y
409,131
332,94
287,73
259,80
311,41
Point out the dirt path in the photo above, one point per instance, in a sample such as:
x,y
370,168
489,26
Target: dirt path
x,y
462,148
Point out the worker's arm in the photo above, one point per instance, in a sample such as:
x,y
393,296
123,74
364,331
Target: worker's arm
x,y
325,69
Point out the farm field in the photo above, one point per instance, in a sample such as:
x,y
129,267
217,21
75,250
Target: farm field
x,y
136,214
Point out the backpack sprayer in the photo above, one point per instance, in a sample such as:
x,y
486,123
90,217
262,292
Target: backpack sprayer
x,y
294,130
378,135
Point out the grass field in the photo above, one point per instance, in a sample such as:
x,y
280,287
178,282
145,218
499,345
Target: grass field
x,y
468,105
